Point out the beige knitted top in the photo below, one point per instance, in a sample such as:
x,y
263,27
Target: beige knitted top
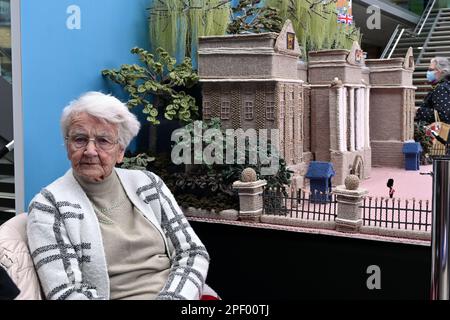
x,y
138,265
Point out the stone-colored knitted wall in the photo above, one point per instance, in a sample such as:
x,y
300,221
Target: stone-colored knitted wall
x,y
271,94
236,66
298,125
367,162
247,92
307,120
289,124
391,77
281,116
302,71
320,131
248,56
260,107
266,40
325,56
236,102
409,113
212,95
343,163
365,75
387,154
386,114
389,72
250,203
391,110
324,74
302,114
282,67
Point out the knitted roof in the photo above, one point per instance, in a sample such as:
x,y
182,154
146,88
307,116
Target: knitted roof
x,y
320,169
412,147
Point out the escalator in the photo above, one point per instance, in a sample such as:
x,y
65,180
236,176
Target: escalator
x,y
430,38
7,195
7,189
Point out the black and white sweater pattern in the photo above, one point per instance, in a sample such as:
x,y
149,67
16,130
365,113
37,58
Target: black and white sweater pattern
x,y
437,99
66,243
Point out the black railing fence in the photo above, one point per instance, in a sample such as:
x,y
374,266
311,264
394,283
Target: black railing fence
x,y
397,213
391,213
300,204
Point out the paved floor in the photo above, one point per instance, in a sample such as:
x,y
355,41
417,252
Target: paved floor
x,y
407,184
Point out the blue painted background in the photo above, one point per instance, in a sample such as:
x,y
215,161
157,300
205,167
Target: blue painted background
x,y
59,64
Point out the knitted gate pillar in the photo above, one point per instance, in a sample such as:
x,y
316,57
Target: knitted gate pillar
x,y
349,200
250,199
392,94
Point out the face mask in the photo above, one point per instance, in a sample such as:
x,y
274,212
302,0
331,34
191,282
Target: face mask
x,y
431,76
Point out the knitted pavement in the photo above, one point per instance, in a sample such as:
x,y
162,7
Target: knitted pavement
x,y
407,184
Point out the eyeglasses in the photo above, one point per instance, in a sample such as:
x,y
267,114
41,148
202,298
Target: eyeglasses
x,y
81,141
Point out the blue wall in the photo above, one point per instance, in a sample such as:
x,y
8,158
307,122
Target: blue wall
x,y
59,64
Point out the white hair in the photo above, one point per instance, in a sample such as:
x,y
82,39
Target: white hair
x,y
442,64
104,107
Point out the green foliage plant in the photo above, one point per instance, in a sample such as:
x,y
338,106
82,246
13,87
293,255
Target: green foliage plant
x,y
424,140
158,79
208,186
138,162
176,24
231,172
315,24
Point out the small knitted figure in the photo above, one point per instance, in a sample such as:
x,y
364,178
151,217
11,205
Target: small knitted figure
x,y
390,185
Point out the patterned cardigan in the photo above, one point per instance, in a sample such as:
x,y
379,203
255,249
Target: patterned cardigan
x,y
66,243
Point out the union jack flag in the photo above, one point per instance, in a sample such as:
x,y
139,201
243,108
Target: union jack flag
x,y
345,18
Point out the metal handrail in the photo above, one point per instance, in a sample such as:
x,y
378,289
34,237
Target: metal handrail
x,y
4,53
422,21
9,147
390,42
427,10
396,42
427,40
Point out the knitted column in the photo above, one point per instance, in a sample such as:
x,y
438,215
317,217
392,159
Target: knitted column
x,y
349,198
250,193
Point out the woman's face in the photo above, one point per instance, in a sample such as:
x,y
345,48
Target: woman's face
x,y
436,71
95,161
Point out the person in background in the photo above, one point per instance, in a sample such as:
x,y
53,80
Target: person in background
x,y
101,232
438,75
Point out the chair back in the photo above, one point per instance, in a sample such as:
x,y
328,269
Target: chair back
x,y
16,259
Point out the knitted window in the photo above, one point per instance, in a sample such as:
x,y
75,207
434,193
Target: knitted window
x,y
225,110
270,110
248,110
206,110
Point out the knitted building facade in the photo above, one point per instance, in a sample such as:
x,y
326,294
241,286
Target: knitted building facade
x,y
340,129
321,109
257,81
393,108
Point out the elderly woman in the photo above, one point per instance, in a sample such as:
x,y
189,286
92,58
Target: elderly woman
x,y
438,98
100,232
